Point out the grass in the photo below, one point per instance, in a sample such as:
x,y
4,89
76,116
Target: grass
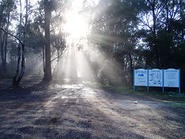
x,y
172,99
167,96
176,104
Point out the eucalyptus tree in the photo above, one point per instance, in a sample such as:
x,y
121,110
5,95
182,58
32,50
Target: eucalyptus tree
x,y
163,30
115,28
22,34
21,37
6,8
48,7
47,11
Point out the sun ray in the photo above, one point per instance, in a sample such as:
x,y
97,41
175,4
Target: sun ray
x,y
82,61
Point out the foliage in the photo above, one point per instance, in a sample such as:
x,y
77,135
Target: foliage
x,y
138,34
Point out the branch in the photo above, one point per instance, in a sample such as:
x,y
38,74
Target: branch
x,y
56,57
145,24
12,35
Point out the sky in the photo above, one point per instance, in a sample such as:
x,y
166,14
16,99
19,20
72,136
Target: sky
x,y
15,22
31,1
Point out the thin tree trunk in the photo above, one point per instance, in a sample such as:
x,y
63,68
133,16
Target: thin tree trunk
x,y
15,78
24,43
4,63
154,43
131,68
21,61
47,73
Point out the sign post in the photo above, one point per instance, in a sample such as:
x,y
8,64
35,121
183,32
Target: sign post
x,y
179,82
163,82
148,89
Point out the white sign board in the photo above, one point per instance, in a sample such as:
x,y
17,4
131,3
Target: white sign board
x,y
155,78
171,78
140,77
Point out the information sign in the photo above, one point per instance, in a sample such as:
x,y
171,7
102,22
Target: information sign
x,y
171,78
140,77
155,78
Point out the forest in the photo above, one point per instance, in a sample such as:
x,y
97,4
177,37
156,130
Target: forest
x,y
67,69
98,40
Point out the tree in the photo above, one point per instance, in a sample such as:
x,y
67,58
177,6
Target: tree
x,y
162,22
163,29
48,6
116,25
47,11
6,7
21,49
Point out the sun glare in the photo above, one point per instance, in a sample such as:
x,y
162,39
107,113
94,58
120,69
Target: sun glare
x,y
82,61
76,25
77,19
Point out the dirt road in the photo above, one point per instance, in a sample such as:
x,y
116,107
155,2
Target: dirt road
x,y
80,112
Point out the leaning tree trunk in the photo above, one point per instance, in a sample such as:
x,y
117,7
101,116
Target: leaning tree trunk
x,y
20,62
21,59
16,78
24,43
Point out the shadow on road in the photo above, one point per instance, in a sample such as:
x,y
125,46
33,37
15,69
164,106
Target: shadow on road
x,y
78,111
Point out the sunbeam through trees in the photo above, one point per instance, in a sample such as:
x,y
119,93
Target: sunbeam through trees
x,y
94,41
92,69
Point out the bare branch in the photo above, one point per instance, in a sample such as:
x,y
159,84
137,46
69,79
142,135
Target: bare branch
x,y
12,35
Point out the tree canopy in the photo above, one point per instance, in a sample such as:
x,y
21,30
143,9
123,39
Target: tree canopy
x,y
130,33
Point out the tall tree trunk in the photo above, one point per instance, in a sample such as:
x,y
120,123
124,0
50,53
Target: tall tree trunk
x,y
21,59
154,43
24,42
182,15
15,78
131,67
47,72
4,43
